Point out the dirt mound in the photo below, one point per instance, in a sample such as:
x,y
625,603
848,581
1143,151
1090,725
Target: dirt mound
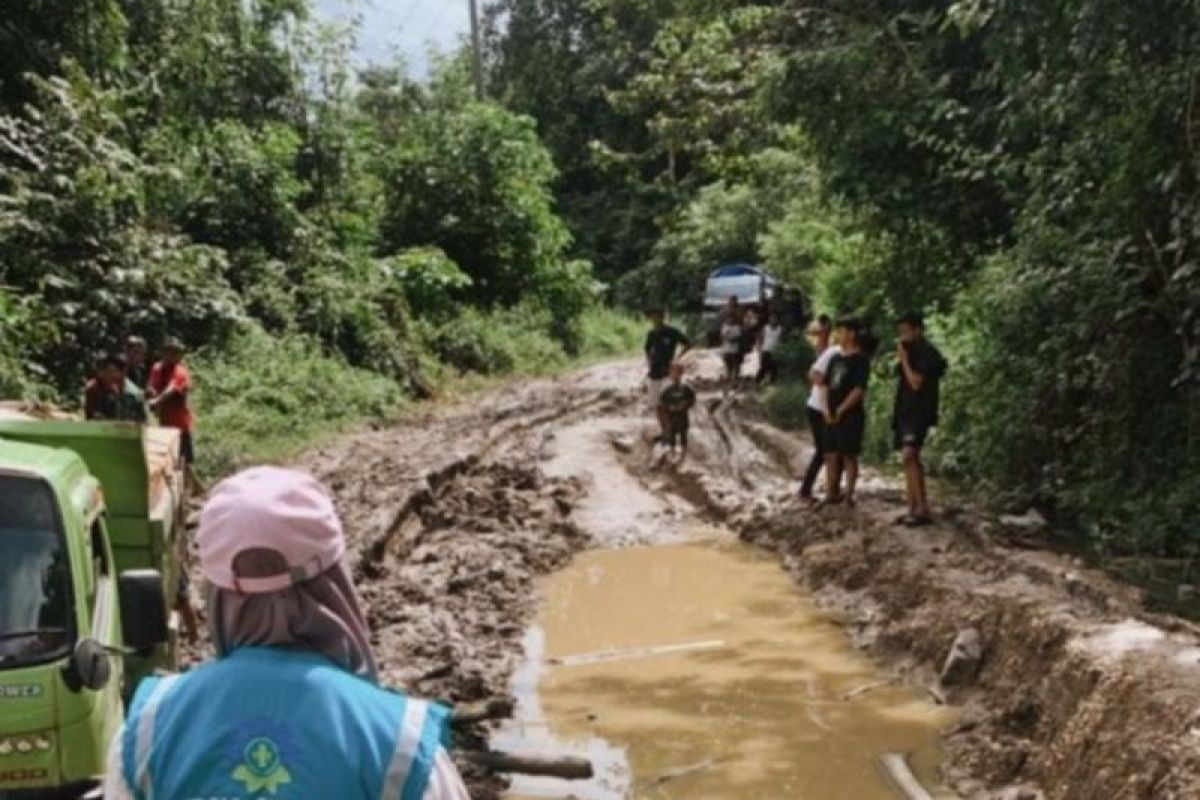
x,y
450,595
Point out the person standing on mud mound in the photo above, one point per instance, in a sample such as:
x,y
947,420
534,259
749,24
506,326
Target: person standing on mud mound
x,y
664,344
292,704
919,373
845,416
677,401
732,331
818,402
769,339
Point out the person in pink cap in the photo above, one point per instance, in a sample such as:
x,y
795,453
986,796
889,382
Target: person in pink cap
x,y
291,708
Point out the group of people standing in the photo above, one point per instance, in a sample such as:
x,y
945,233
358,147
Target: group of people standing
x,y
125,385
837,412
840,378
744,330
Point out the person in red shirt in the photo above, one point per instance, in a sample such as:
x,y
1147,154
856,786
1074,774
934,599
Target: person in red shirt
x,y
168,388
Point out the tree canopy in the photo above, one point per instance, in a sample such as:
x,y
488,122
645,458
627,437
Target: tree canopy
x,y
1027,173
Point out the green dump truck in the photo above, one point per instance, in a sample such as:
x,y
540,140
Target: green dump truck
x,y
90,560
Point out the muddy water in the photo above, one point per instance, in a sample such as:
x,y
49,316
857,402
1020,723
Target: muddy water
x,y
689,665
698,671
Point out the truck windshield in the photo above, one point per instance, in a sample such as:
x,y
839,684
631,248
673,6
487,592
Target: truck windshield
x,y
35,575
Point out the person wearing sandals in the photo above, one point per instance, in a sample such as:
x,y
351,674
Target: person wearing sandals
x,y
919,372
846,384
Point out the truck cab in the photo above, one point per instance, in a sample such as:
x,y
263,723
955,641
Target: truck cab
x,y
83,606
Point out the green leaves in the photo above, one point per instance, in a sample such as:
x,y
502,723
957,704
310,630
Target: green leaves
x,y
474,182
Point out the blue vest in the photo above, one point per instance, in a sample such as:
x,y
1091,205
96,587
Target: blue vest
x,y
267,723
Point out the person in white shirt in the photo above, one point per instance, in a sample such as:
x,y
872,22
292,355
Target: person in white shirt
x,y
820,331
768,342
731,348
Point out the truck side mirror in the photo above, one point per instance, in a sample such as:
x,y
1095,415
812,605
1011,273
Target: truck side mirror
x,y
89,667
143,609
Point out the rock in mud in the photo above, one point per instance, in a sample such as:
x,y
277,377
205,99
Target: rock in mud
x,y
1030,522
962,664
1019,793
621,444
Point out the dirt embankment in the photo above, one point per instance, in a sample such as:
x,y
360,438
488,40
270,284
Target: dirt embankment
x,y
1076,692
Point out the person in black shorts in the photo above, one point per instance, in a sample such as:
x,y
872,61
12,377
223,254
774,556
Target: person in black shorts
x,y
676,402
845,415
919,372
664,344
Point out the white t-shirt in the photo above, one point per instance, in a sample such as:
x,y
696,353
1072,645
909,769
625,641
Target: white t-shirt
x,y
731,338
816,398
771,336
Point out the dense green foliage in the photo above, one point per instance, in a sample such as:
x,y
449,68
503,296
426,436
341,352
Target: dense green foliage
x,y
267,398
1025,172
215,170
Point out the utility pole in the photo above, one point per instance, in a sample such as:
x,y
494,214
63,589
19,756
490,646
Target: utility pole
x,y
477,47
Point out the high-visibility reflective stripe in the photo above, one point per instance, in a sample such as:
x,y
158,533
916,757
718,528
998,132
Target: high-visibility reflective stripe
x,y
408,744
145,736
431,740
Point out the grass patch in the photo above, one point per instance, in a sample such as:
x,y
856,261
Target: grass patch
x,y
265,398
606,333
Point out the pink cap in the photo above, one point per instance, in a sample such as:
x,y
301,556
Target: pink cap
x,y
273,509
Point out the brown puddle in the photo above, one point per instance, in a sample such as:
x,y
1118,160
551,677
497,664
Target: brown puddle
x,y
699,671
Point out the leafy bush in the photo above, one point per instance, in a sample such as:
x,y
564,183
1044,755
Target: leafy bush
x,y
606,333
72,237
474,181
20,375
433,284
230,186
497,342
265,397
785,404
786,401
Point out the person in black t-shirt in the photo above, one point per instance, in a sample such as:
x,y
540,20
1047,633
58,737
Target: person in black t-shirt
x,y
919,373
676,402
846,383
664,344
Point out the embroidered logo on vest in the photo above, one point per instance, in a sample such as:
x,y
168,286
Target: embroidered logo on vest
x,y
261,768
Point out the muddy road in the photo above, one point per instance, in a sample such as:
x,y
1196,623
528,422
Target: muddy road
x,y
529,542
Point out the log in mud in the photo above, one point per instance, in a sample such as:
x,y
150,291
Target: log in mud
x,y
455,516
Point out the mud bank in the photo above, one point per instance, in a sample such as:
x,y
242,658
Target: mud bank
x,y
1078,693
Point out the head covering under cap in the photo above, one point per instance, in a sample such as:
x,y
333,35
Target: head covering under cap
x,y
271,545
269,508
